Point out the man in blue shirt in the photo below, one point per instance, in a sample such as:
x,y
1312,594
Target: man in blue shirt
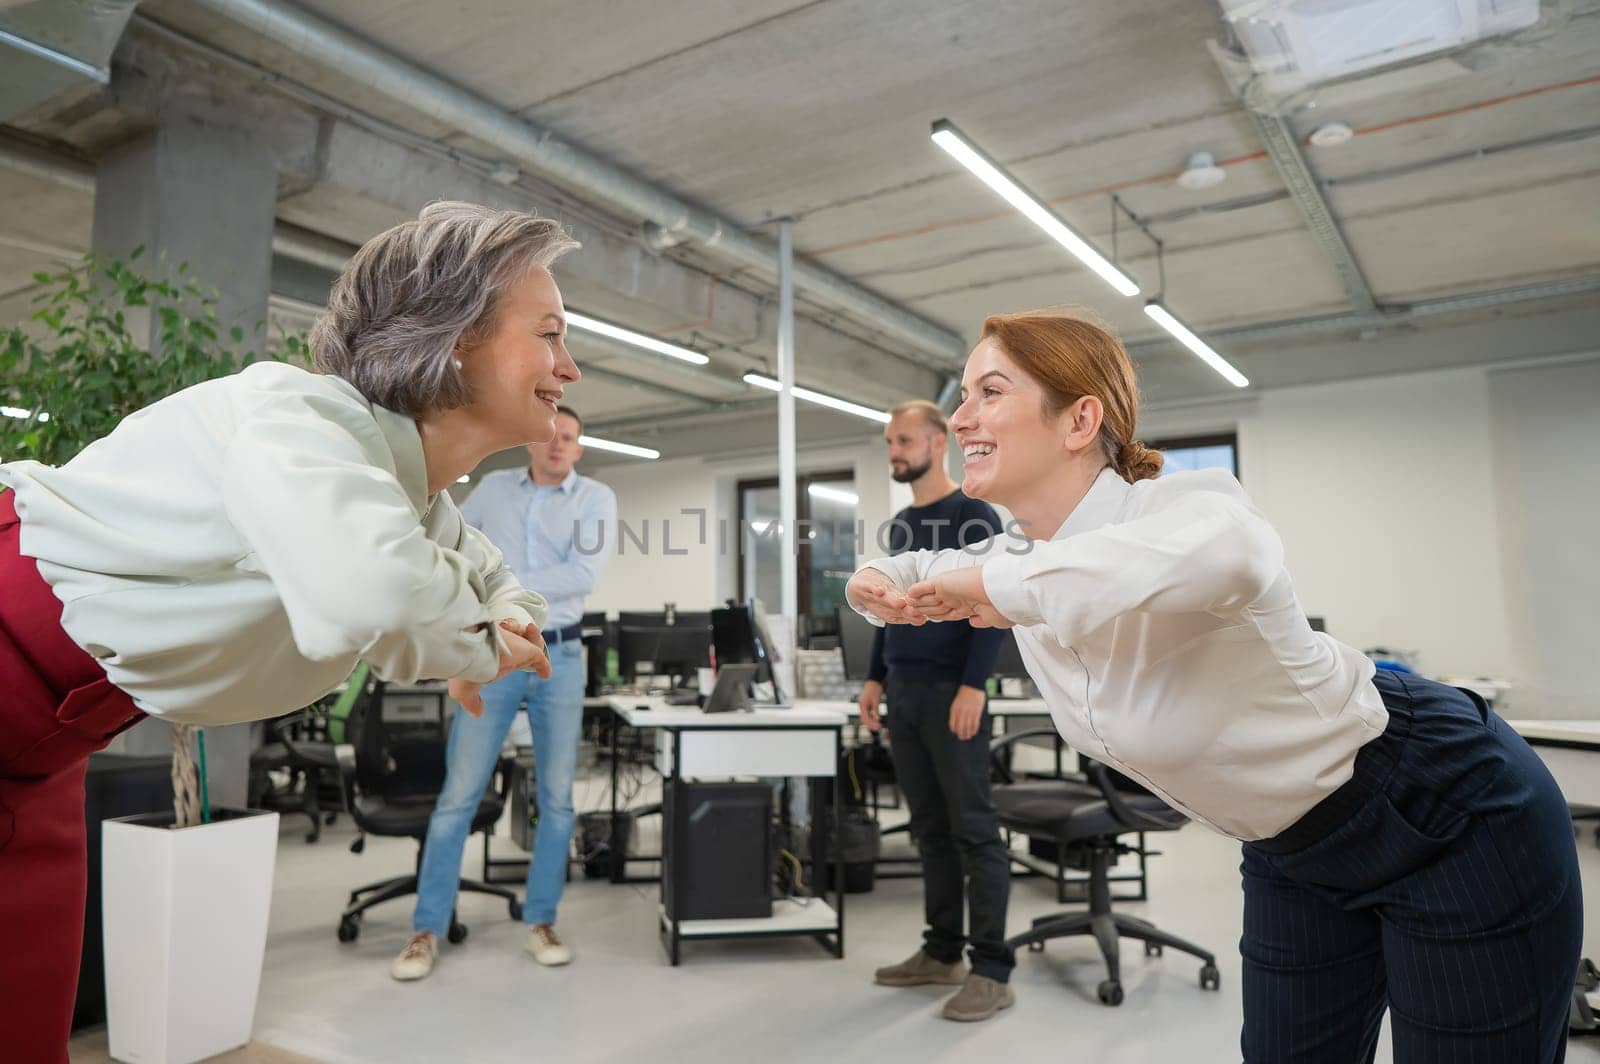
x,y
555,529
935,677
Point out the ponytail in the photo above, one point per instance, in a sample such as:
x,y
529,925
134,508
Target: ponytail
x,y
1134,462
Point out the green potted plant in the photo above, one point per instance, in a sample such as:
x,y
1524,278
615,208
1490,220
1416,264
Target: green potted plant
x,y
185,910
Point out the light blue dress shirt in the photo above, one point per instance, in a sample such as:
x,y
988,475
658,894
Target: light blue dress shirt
x,y
555,539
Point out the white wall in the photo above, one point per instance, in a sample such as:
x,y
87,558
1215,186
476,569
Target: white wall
x,y
1546,428
651,498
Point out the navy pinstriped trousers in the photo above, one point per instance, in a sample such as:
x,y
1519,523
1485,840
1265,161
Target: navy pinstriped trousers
x,y
1440,882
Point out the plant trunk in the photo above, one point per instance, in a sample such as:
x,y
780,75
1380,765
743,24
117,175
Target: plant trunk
x,y
185,776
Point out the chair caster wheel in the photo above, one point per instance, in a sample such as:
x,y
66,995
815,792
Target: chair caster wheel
x,y
1152,949
312,837
1036,947
1210,978
349,929
1110,992
457,934
515,908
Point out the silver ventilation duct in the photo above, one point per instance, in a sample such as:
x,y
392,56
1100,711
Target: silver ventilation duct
x,y
50,46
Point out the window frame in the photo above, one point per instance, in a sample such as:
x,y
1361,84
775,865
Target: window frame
x,y
802,482
1209,439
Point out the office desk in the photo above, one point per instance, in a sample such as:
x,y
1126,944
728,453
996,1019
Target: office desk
x,y
999,709
691,744
1571,750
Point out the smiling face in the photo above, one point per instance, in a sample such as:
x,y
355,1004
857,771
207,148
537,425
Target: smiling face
x,y
1009,444
517,372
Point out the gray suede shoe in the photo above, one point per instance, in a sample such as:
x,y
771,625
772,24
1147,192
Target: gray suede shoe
x,y
920,969
979,998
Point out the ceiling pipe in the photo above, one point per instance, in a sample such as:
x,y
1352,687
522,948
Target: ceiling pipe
x,y
537,150
50,48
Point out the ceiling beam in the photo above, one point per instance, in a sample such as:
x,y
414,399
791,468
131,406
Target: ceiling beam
x,y
1284,149
1389,317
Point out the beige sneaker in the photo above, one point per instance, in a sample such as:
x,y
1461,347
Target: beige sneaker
x,y
545,947
979,998
920,969
416,960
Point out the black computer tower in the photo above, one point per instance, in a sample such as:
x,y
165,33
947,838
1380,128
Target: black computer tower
x,y
716,851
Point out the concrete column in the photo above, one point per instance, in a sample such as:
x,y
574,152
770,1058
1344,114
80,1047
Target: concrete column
x,y
197,190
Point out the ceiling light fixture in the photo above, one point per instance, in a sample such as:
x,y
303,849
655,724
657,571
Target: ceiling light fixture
x,y
22,415
844,405
1331,135
636,339
822,491
1201,173
619,448
961,148
1185,336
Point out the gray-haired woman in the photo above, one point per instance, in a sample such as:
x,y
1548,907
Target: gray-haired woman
x,y
230,552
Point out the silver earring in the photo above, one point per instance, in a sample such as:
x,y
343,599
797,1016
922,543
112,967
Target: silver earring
x,y
458,365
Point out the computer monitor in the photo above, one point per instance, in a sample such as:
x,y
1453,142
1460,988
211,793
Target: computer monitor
x,y
664,618
676,651
739,635
1009,666
856,636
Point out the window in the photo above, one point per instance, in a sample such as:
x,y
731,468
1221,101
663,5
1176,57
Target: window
x,y
826,510
1219,451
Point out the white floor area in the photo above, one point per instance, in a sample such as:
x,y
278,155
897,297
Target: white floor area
x,y
762,1000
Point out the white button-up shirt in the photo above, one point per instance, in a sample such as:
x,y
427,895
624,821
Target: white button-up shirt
x,y
230,552
1164,634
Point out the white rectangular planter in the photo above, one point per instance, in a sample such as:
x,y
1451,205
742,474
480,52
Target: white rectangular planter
x,y
185,929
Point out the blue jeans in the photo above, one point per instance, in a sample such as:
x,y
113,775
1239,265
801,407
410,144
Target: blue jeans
x,y
555,715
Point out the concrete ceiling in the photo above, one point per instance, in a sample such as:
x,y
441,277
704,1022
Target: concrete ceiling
x,y
1470,173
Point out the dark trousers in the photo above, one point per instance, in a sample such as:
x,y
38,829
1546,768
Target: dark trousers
x,y
56,707
946,784
1440,883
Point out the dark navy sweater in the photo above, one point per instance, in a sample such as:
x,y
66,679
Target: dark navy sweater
x,y
951,650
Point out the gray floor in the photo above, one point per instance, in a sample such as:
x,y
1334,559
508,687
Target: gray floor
x,y
763,1000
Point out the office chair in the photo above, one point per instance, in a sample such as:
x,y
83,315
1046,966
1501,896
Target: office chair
x,y
302,748
392,779
1085,821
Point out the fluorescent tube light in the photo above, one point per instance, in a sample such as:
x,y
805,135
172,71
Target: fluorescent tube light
x,y
952,140
620,448
1182,333
636,339
21,414
845,405
822,491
